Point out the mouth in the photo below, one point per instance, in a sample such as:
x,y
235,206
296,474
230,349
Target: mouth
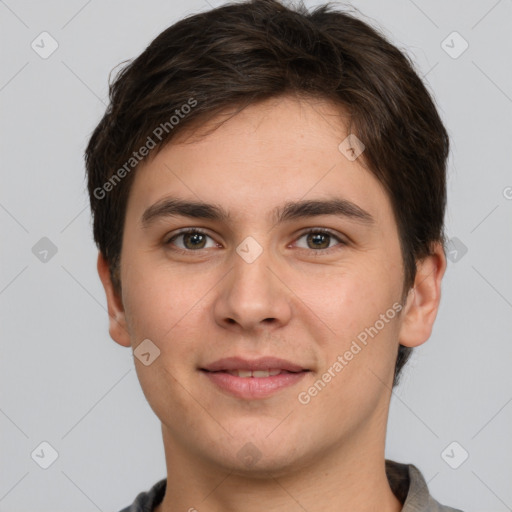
x,y
262,364
253,379
258,374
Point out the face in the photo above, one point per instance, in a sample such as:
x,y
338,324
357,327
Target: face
x,y
293,266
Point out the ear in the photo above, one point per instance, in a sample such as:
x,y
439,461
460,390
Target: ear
x,y
423,299
117,319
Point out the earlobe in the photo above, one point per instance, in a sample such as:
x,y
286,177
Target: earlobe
x,y
423,299
117,319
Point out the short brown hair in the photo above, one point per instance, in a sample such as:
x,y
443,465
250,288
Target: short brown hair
x,y
241,53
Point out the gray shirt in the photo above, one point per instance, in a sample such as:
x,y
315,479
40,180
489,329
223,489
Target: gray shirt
x,y
405,480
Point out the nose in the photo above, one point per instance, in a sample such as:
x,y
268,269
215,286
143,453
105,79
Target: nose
x,y
253,296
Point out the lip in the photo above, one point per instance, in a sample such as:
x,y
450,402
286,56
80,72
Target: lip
x,y
262,363
252,388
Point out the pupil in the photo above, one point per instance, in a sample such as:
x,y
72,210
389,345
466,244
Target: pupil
x,y
195,238
319,237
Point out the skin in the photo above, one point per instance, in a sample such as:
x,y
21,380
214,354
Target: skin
x,y
295,301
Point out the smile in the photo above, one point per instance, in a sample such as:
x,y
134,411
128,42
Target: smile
x,y
253,385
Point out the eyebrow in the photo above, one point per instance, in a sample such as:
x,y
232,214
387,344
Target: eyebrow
x,y
175,207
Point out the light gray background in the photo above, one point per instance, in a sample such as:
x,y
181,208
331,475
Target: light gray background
x,y
64,381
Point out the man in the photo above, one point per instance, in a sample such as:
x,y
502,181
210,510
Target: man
x,y
268,192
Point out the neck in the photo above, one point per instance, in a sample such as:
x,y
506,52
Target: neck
x,y
342,479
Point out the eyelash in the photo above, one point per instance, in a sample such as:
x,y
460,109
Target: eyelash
x,y
315,231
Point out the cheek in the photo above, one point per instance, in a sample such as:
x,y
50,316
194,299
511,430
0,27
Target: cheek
x,y
156,298
360,306
163,307
352,297
170,309
358,365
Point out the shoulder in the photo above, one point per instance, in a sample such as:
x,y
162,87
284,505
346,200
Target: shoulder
x,y
146,501
409,486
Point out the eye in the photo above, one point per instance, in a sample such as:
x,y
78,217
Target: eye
x,y
320,239
192,239
195,239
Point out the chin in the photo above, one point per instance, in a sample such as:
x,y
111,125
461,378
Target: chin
x,y
260,457
263,466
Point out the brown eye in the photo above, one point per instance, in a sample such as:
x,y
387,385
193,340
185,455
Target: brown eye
x,y
320,240
192,240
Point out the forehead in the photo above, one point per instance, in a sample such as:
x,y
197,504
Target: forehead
x,y
272,152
